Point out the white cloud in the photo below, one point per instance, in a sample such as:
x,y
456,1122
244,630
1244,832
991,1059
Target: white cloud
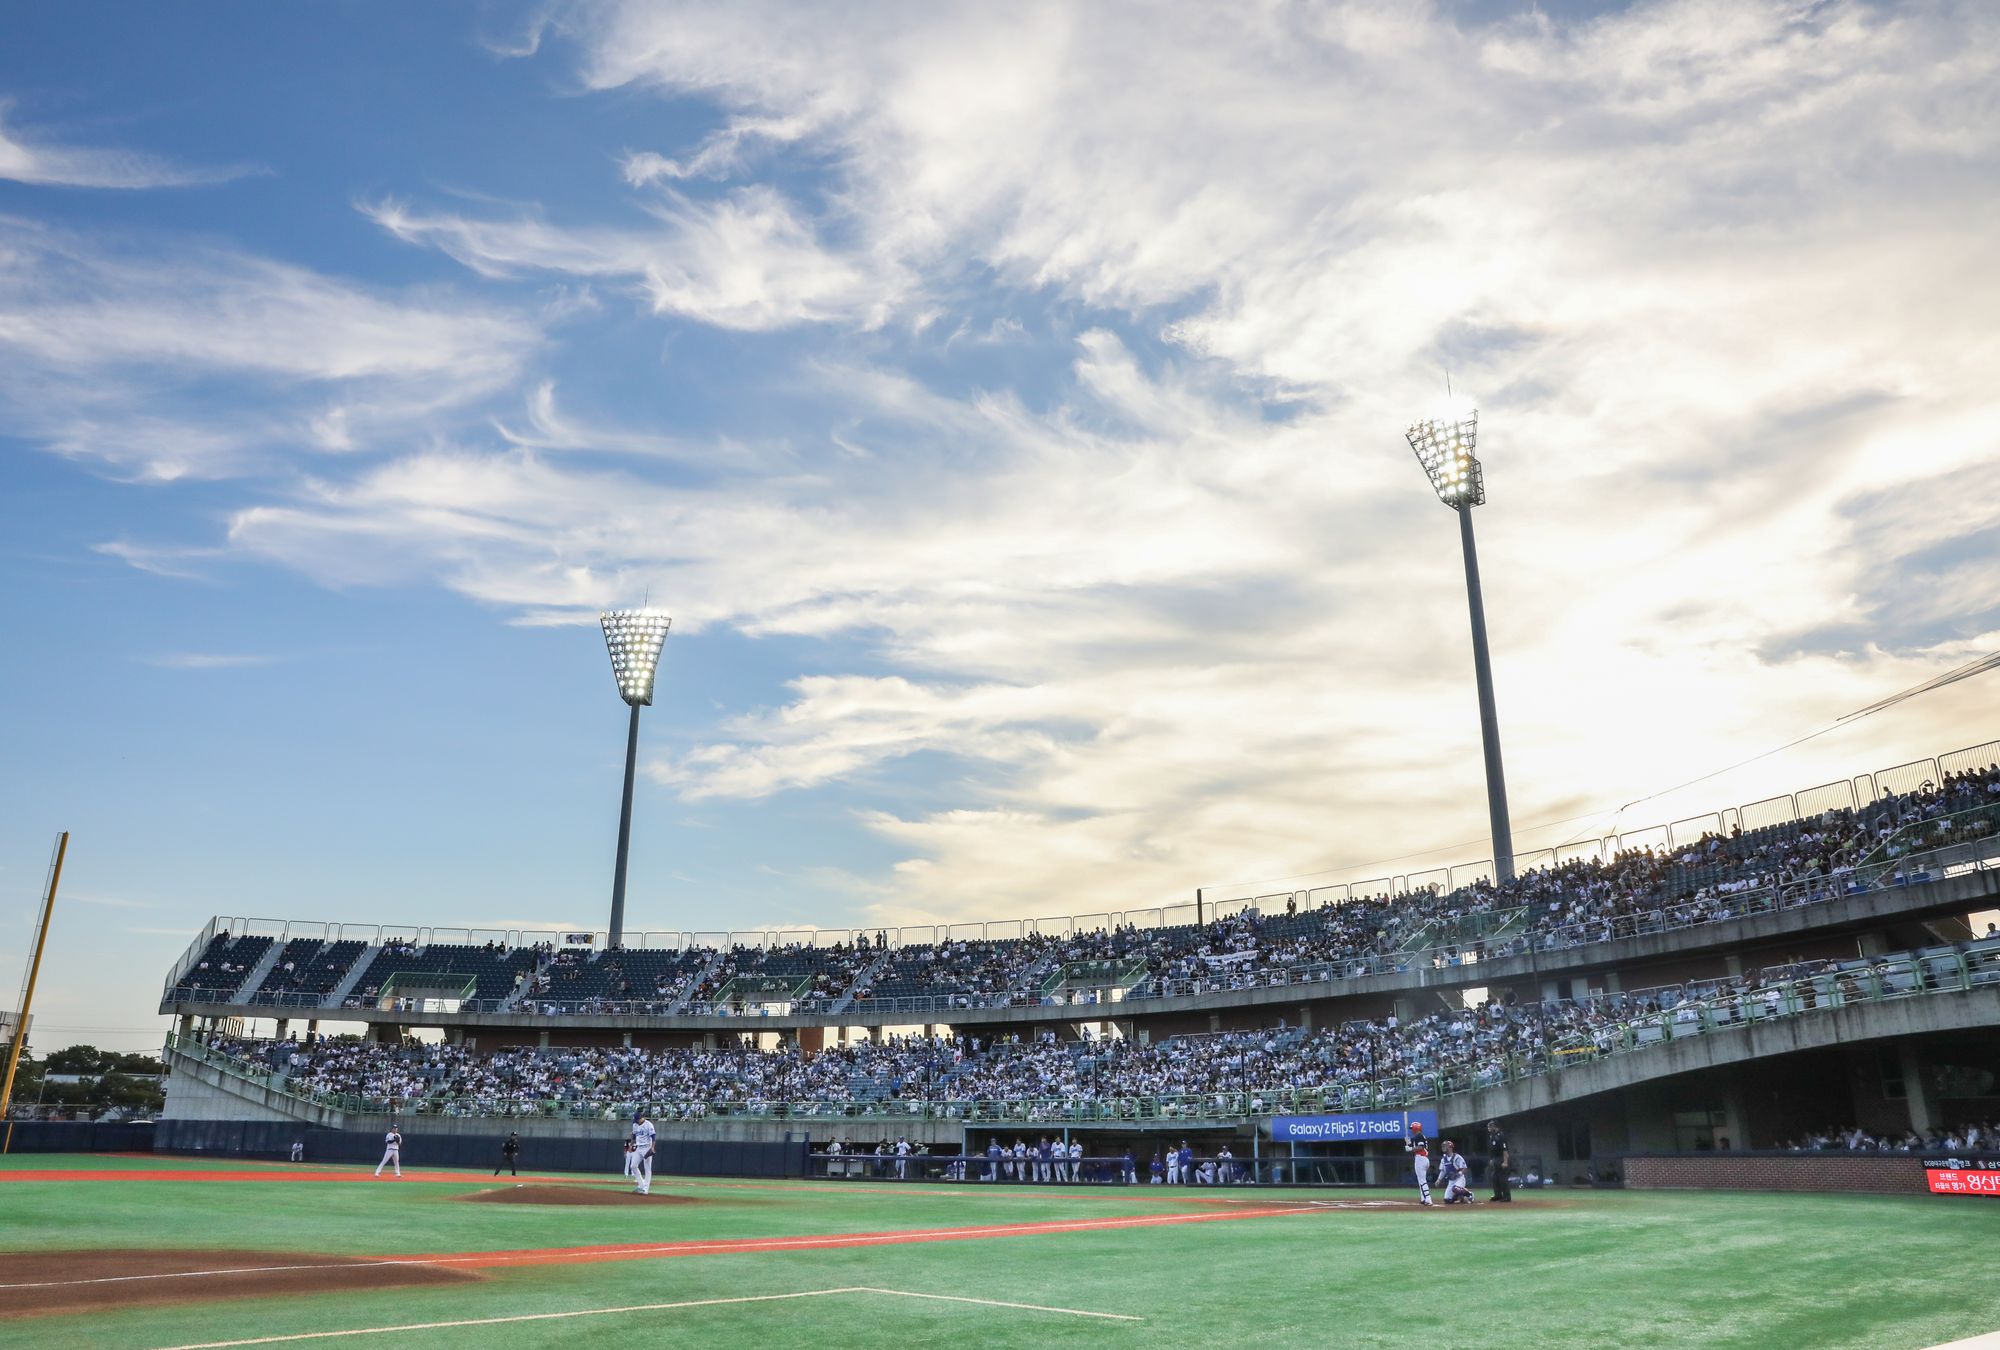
x,y
746,261
208,660
1718,272
26,158
197,361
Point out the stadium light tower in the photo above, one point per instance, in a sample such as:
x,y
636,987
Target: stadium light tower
x,y
634,638
1444,445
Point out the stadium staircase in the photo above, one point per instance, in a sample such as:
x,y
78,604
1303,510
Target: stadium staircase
x,y
255,979
861,982
702,977
340,991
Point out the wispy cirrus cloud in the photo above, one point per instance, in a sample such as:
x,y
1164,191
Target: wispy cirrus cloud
x,y
209,660
747,261
168,361
27,157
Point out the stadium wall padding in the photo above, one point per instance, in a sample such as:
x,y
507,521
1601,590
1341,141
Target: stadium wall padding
x,y
1863,1173
77,1136
676,1157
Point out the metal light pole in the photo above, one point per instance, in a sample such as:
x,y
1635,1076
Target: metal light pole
x,y
1444,446
633,637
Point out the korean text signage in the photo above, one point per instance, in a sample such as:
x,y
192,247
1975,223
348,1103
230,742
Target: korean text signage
x,y
1350,1129
1962,1176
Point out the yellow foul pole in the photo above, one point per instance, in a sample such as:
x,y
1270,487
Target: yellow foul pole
x,y
28,998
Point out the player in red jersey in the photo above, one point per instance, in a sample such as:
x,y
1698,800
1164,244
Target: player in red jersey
x,y
1419,1149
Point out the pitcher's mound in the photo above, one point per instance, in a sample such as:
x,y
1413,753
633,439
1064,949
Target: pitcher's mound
x,y
571,1195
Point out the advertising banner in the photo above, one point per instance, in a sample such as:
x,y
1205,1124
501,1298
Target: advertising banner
x,y
1962,1176
1351,1129
577,939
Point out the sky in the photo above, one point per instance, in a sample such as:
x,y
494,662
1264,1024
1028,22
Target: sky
x,y
1007,404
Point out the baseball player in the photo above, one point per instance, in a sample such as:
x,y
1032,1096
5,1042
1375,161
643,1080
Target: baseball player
x,y
298,1150
632,1155
1419,1150
510,1153
1453,1176
643,1135
392,1152
1075,1160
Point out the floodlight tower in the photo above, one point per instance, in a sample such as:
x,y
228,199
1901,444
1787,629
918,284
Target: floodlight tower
x,y
1444,445
634,638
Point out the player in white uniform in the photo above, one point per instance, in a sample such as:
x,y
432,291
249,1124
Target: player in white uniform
x,y
643,1135
1076,1160
631,1155
392,1152
1454,1177
1419,1150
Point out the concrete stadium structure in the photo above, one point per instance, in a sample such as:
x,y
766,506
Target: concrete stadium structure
x,y
1882,1056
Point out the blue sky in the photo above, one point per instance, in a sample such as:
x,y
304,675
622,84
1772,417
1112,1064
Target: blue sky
x,y
1007,405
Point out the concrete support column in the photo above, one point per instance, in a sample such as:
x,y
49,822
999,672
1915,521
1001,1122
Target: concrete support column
x,y
284,1025
1612,984
543,1039
1917,1089
627,1041
1870,945
1733,964
1305,1016
1215,1021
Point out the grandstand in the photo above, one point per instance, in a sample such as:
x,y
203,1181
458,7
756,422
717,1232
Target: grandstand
x,y
1644,995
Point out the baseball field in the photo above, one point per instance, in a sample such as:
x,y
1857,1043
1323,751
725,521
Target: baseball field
x,y
158,1252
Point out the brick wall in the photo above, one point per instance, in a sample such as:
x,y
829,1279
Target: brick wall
x,y
1890,1175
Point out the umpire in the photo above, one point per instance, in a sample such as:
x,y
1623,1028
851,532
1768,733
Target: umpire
x,y
510,1153
1498,1160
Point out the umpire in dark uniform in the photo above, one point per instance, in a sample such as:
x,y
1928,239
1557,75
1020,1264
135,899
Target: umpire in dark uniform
x,y
510,1153
1498,1160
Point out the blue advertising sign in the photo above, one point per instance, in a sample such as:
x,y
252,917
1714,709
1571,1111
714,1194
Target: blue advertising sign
x,y
1350,1129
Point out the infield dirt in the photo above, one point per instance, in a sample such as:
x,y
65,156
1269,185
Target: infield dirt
x,y
38,1283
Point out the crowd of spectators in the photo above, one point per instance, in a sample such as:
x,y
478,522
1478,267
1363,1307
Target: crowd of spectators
x,y
1716,877
1042,1077
1972,1137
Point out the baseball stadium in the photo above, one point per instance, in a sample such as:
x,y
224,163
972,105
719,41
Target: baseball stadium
x,y
1295,674
1029,1130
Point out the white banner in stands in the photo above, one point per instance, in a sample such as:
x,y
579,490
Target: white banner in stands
x,y
576,939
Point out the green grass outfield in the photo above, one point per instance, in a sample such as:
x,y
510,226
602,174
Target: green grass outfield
x,y
1556,1268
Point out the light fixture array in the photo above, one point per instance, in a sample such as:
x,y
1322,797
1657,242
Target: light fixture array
x,y
1444,446
634,638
